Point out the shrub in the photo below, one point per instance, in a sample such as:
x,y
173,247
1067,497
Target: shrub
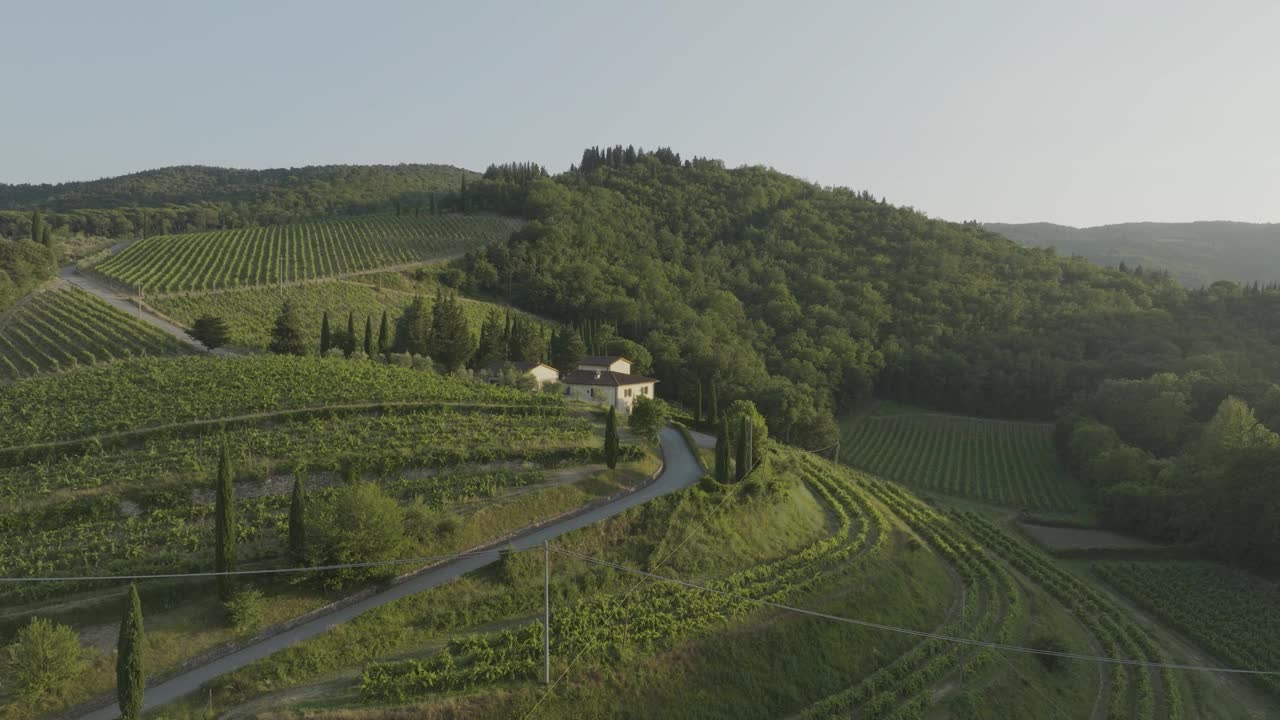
x,y
422,362
358,523
41,659
401,359
245,610
1052,663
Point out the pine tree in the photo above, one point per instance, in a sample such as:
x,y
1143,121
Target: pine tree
x,y
567,347
368,336
286,336
130,680
722,452
611,439
743,463
413,329
224,525
451,340
492,345
384,336
325,337
351,334
297,527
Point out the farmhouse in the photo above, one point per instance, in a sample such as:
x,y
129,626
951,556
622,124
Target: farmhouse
x,y
541,372
608,380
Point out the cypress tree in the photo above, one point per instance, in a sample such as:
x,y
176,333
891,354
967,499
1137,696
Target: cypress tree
x,y
325,338
297,527
46,236
37,225
384,336
715,405
611,439
744,452
224,525
722,452
130,680
368,336
351,334
286,336
697,413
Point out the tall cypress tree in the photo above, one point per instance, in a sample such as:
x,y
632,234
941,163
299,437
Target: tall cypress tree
x,y
743,463
297,527
722,452
325,337
130,680
224,525
715,404
37,225
46,236
697,412
611,439
368,336
384,335
351,334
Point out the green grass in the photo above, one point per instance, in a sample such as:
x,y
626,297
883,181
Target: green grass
x,y
251,313
1232,613
1012,464
67,328
265,255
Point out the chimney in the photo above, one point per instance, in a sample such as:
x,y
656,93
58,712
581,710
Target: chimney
x,y
597,374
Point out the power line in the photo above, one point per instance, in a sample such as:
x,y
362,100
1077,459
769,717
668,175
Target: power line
x,y
639,582
263,571
909,631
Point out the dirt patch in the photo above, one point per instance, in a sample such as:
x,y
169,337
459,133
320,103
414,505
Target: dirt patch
x,y
1060,538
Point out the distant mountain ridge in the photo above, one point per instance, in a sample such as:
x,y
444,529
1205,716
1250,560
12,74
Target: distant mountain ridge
x,y
1195,253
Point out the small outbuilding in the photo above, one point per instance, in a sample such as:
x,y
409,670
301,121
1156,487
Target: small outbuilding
x,y
541,372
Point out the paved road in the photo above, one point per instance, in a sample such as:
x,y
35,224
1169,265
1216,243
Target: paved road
x,y
681,470
115,299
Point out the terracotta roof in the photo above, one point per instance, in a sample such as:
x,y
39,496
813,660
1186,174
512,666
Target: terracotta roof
x,y
603,377
601,360
519,366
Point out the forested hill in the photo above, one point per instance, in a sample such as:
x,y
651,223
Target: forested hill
x,y
189,197
1196,254
806,299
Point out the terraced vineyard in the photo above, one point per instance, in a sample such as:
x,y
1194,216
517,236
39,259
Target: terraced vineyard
x,y
1001,462
1230,612
246,257
65,328
251,312
1133,691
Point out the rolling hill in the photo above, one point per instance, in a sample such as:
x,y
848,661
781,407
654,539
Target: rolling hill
x,y
1195,254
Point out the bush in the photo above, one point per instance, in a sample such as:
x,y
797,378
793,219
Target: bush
x,y
245,610
1052,663
359,355
334,352
401,359
519,568
422,362
41,659
553,388
358,523
648,416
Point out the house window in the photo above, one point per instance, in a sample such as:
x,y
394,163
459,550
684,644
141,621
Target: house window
x,y
628,392
644,390
568,390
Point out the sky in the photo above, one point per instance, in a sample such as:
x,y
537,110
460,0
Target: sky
x,y
1079,113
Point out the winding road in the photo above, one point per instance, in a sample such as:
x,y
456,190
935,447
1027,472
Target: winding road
x,y
680,470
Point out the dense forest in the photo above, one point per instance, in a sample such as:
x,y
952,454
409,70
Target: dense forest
x,y
1196,253
809,300
178,199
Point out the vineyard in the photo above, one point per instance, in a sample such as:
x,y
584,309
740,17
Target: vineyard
x,y
268,255
1230,612
150,392
251,313
1005,463
67,328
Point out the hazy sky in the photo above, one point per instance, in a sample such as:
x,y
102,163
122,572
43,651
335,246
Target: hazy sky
x,y
1073,112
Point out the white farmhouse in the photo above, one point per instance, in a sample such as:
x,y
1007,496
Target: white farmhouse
x,y
607,380
541,372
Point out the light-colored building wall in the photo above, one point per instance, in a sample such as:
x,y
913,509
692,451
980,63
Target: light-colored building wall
x,y
619,365
622,398
544,374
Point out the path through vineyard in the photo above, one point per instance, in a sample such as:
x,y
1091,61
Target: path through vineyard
x,y
680,470
70,275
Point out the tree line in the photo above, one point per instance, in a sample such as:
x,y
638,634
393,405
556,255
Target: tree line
x,y
28,260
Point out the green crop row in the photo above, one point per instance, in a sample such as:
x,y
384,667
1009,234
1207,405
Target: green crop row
x,y
245,257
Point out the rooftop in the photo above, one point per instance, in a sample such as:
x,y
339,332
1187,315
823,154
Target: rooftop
x,y
603,377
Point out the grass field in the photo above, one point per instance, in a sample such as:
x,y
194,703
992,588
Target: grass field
x,y
254,256
995,461
67,327
251,313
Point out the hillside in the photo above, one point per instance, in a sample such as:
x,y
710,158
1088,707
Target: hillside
x,y
1195,254
177,199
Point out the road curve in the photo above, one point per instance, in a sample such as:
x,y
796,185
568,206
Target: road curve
x,y
680,470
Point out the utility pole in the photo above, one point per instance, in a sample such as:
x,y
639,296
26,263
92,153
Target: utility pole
x,y
546,612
